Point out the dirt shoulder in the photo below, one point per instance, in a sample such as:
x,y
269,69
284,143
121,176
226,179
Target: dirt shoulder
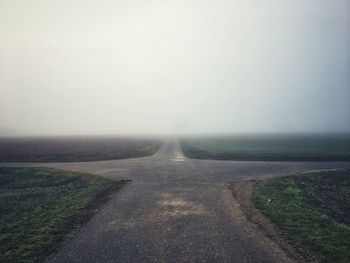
x,y
261,228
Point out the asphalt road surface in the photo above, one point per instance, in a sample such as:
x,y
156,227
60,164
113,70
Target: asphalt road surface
x,y
174,210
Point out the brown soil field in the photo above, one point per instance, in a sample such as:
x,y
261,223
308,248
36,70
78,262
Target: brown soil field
x,y
75,149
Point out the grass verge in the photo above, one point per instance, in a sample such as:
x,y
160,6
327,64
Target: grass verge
x,y
313,209
40,206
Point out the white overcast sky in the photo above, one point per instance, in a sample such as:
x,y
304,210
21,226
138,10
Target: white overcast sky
x,y
161,66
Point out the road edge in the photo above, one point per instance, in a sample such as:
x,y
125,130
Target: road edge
x,y
259,227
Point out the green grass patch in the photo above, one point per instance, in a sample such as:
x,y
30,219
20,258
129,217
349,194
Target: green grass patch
x,y
39,206
272,147
313,209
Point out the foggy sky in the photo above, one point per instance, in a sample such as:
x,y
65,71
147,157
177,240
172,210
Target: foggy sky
x,y
161,66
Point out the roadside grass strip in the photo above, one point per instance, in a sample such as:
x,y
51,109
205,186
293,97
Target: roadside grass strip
x,y
40,206
313,209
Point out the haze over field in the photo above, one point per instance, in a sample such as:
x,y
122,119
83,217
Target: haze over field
x,y
106,67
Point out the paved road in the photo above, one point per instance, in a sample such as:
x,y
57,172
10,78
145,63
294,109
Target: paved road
x,y
174,210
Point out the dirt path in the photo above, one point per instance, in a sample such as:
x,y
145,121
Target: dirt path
x,y
174,210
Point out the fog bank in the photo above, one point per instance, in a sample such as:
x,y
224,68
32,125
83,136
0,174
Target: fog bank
x,y
111,67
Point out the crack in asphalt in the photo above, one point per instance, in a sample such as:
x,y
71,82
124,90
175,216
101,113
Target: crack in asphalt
x,y
174,210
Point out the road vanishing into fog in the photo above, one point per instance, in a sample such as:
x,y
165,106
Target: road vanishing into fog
x,y
174,210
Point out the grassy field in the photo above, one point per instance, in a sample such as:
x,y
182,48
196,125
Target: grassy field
x,y
313,209
278,147
76,149
39,206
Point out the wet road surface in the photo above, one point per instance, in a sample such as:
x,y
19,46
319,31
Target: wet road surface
x,y
174,210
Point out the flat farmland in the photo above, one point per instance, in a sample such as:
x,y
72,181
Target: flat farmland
x,y
272,147
75,149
